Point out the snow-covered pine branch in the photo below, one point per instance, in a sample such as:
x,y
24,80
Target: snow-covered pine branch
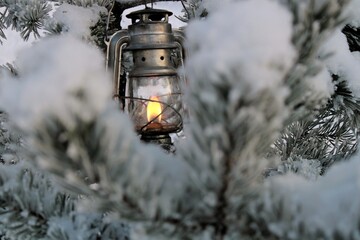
x,y
309,80
87,132
236,100
329,137
28,202
25,16
31,207
294,208
331,134
9,141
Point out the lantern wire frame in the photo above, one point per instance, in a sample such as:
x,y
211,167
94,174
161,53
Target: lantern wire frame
x,y
178,127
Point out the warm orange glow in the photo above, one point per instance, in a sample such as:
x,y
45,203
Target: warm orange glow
x,y
154,110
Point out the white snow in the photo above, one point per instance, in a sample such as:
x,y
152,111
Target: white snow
x,y
321,84
258,48
77,20
215,5
331,203
342,62
11,46
54,82
353,12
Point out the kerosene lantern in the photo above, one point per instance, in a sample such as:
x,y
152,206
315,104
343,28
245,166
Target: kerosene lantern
x,y
151,91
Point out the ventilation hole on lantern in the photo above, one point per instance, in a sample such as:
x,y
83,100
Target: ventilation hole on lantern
x,y
143,59
156,17
162,58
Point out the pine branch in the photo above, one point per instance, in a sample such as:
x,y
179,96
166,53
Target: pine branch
x,y
9,68
55,221
97,163
328,133
25,16
32,207
113,192
27,202
87,3
9,142
86,226
353,37
193,9
53,28
332,134
99,32
313,22
233,121
2,26
33,20
220,213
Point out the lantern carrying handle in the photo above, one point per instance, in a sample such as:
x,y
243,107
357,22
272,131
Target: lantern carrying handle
x,y
116,44
180,39
179,36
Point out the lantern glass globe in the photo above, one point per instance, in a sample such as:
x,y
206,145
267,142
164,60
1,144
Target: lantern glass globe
x,y
155,104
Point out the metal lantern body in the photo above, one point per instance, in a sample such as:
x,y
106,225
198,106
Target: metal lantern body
x,y
151,92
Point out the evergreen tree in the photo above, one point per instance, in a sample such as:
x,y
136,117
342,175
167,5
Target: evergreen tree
x,y
263,98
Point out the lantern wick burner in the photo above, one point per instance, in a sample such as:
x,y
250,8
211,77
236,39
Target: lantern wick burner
x,y
153,131
164,140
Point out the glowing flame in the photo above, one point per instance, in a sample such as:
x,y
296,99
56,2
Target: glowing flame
x,y
154,110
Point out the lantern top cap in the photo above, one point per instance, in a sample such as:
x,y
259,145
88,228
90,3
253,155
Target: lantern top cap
x,y
149,15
